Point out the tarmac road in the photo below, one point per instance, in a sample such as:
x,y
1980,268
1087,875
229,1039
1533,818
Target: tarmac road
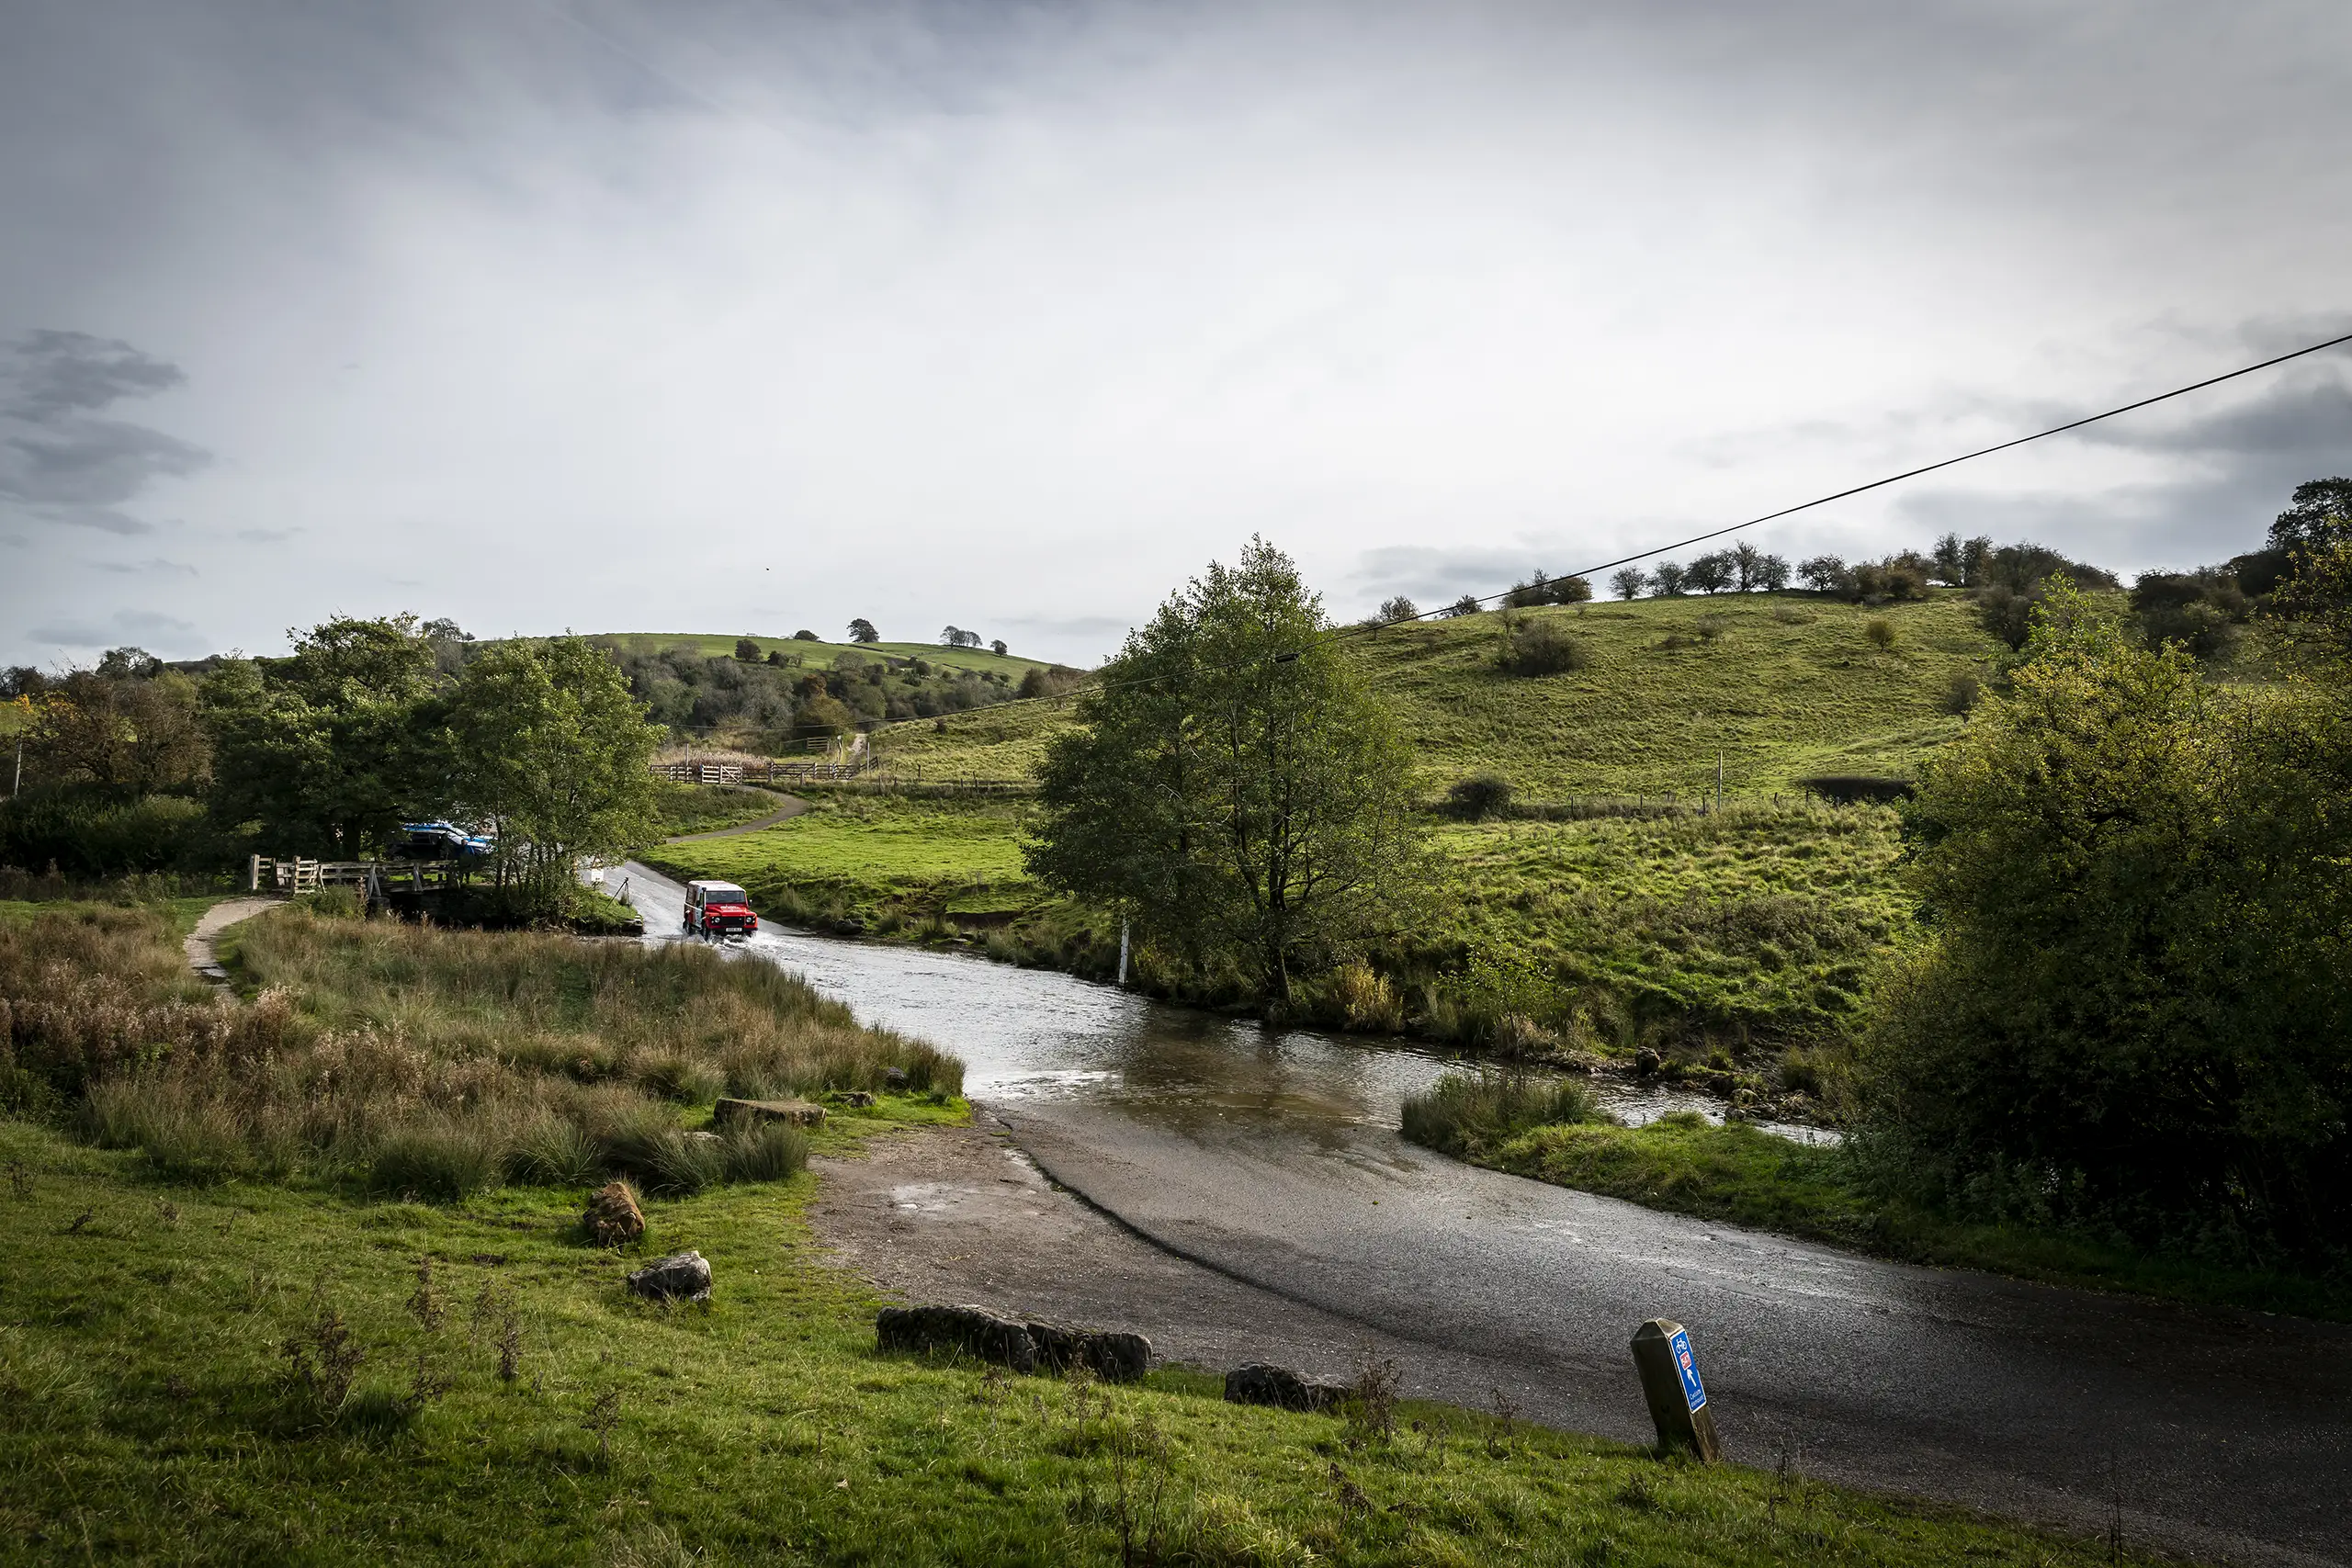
x,y
1272,1159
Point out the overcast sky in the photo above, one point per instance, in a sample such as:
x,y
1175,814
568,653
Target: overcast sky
x,y
739,315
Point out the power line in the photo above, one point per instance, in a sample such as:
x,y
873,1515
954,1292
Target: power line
x,y
1343,633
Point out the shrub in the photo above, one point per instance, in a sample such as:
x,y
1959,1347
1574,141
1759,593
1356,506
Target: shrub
x,y
1846,789
1366,997
1545,648
768,1151
447,1160
685,1163
1880,632
554,1152
1963,694
1477,796
1466,1113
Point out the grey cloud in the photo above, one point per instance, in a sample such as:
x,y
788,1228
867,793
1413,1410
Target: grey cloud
x,y
266,535
1071,626
1436,576
58,373
122,625
62,462
158,568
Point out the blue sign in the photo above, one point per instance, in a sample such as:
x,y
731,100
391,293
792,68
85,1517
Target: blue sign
x,y
1693,1389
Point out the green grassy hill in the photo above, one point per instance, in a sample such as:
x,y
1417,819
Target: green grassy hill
x,y
721,645
1734,937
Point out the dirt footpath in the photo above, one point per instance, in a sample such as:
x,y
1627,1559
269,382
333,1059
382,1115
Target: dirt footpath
x,y
959,1215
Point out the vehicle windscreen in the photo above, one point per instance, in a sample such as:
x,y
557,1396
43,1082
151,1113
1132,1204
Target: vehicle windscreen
x,y
721,893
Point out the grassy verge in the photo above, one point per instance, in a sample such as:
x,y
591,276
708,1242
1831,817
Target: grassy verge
x,y
513,1404
1685,1164
703,808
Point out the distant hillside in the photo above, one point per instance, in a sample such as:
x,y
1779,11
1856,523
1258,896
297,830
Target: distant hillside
x,y
721,645
1781,685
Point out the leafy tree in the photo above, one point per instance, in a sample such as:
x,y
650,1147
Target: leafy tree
x,y
1672,579
2132,1008
952,637
861,630
1466,605
998,648
747,650
1711,573
1571,591
136,730
1950,569
1748,566
804,635
1628,581
1543,648
1772,574
1825,574
551,754
2319,514
1399,608
1232,783
332,748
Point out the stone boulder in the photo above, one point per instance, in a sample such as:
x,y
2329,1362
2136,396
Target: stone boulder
x,y
975,1331
683,1276
613,1218
730,1112
1114,1357
1259,1384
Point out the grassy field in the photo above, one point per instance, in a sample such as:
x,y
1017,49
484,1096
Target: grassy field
x,y
820,655
513,1404
703,808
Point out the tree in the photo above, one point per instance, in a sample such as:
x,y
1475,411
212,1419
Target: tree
x,y
746,650
1672,579
1772,574
1747,565
2319,514
331,750
1466,605
550,756
804,635
952,637
1951,565
1232,783
128,729
861,630
1571,591
1398,608
1711,573
2131,1008
1628,581
1825,574
998,648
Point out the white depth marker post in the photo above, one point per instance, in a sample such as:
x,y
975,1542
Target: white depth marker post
x,y
1122,953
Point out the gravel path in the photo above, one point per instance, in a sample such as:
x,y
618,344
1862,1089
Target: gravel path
x,y
793,807
218,919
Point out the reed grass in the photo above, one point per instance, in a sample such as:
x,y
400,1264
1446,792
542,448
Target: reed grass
x,y
410,1061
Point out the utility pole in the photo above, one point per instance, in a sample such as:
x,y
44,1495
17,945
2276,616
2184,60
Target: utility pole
x,y
20,782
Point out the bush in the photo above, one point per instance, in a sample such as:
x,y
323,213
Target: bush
x,y
1545,648
1880,632
447,1160
553,1152
1847,789
1468,1114
1479,796
89,831
1963,694
685,1163
768,1151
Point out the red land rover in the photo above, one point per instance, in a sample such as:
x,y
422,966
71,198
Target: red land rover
x,y
718,908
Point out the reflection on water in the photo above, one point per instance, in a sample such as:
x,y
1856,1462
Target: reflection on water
x,y
1030,1034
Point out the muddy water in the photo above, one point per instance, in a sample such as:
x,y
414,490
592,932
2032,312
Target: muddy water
x,y
1035,1034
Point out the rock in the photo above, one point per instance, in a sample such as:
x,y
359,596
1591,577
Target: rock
x,y
683,1276
613,1218
896,1078
1259,1384
975,1331
1646,1061
794,1112
1114,1357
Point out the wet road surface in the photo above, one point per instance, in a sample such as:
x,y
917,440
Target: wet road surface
x,y
1272,1158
